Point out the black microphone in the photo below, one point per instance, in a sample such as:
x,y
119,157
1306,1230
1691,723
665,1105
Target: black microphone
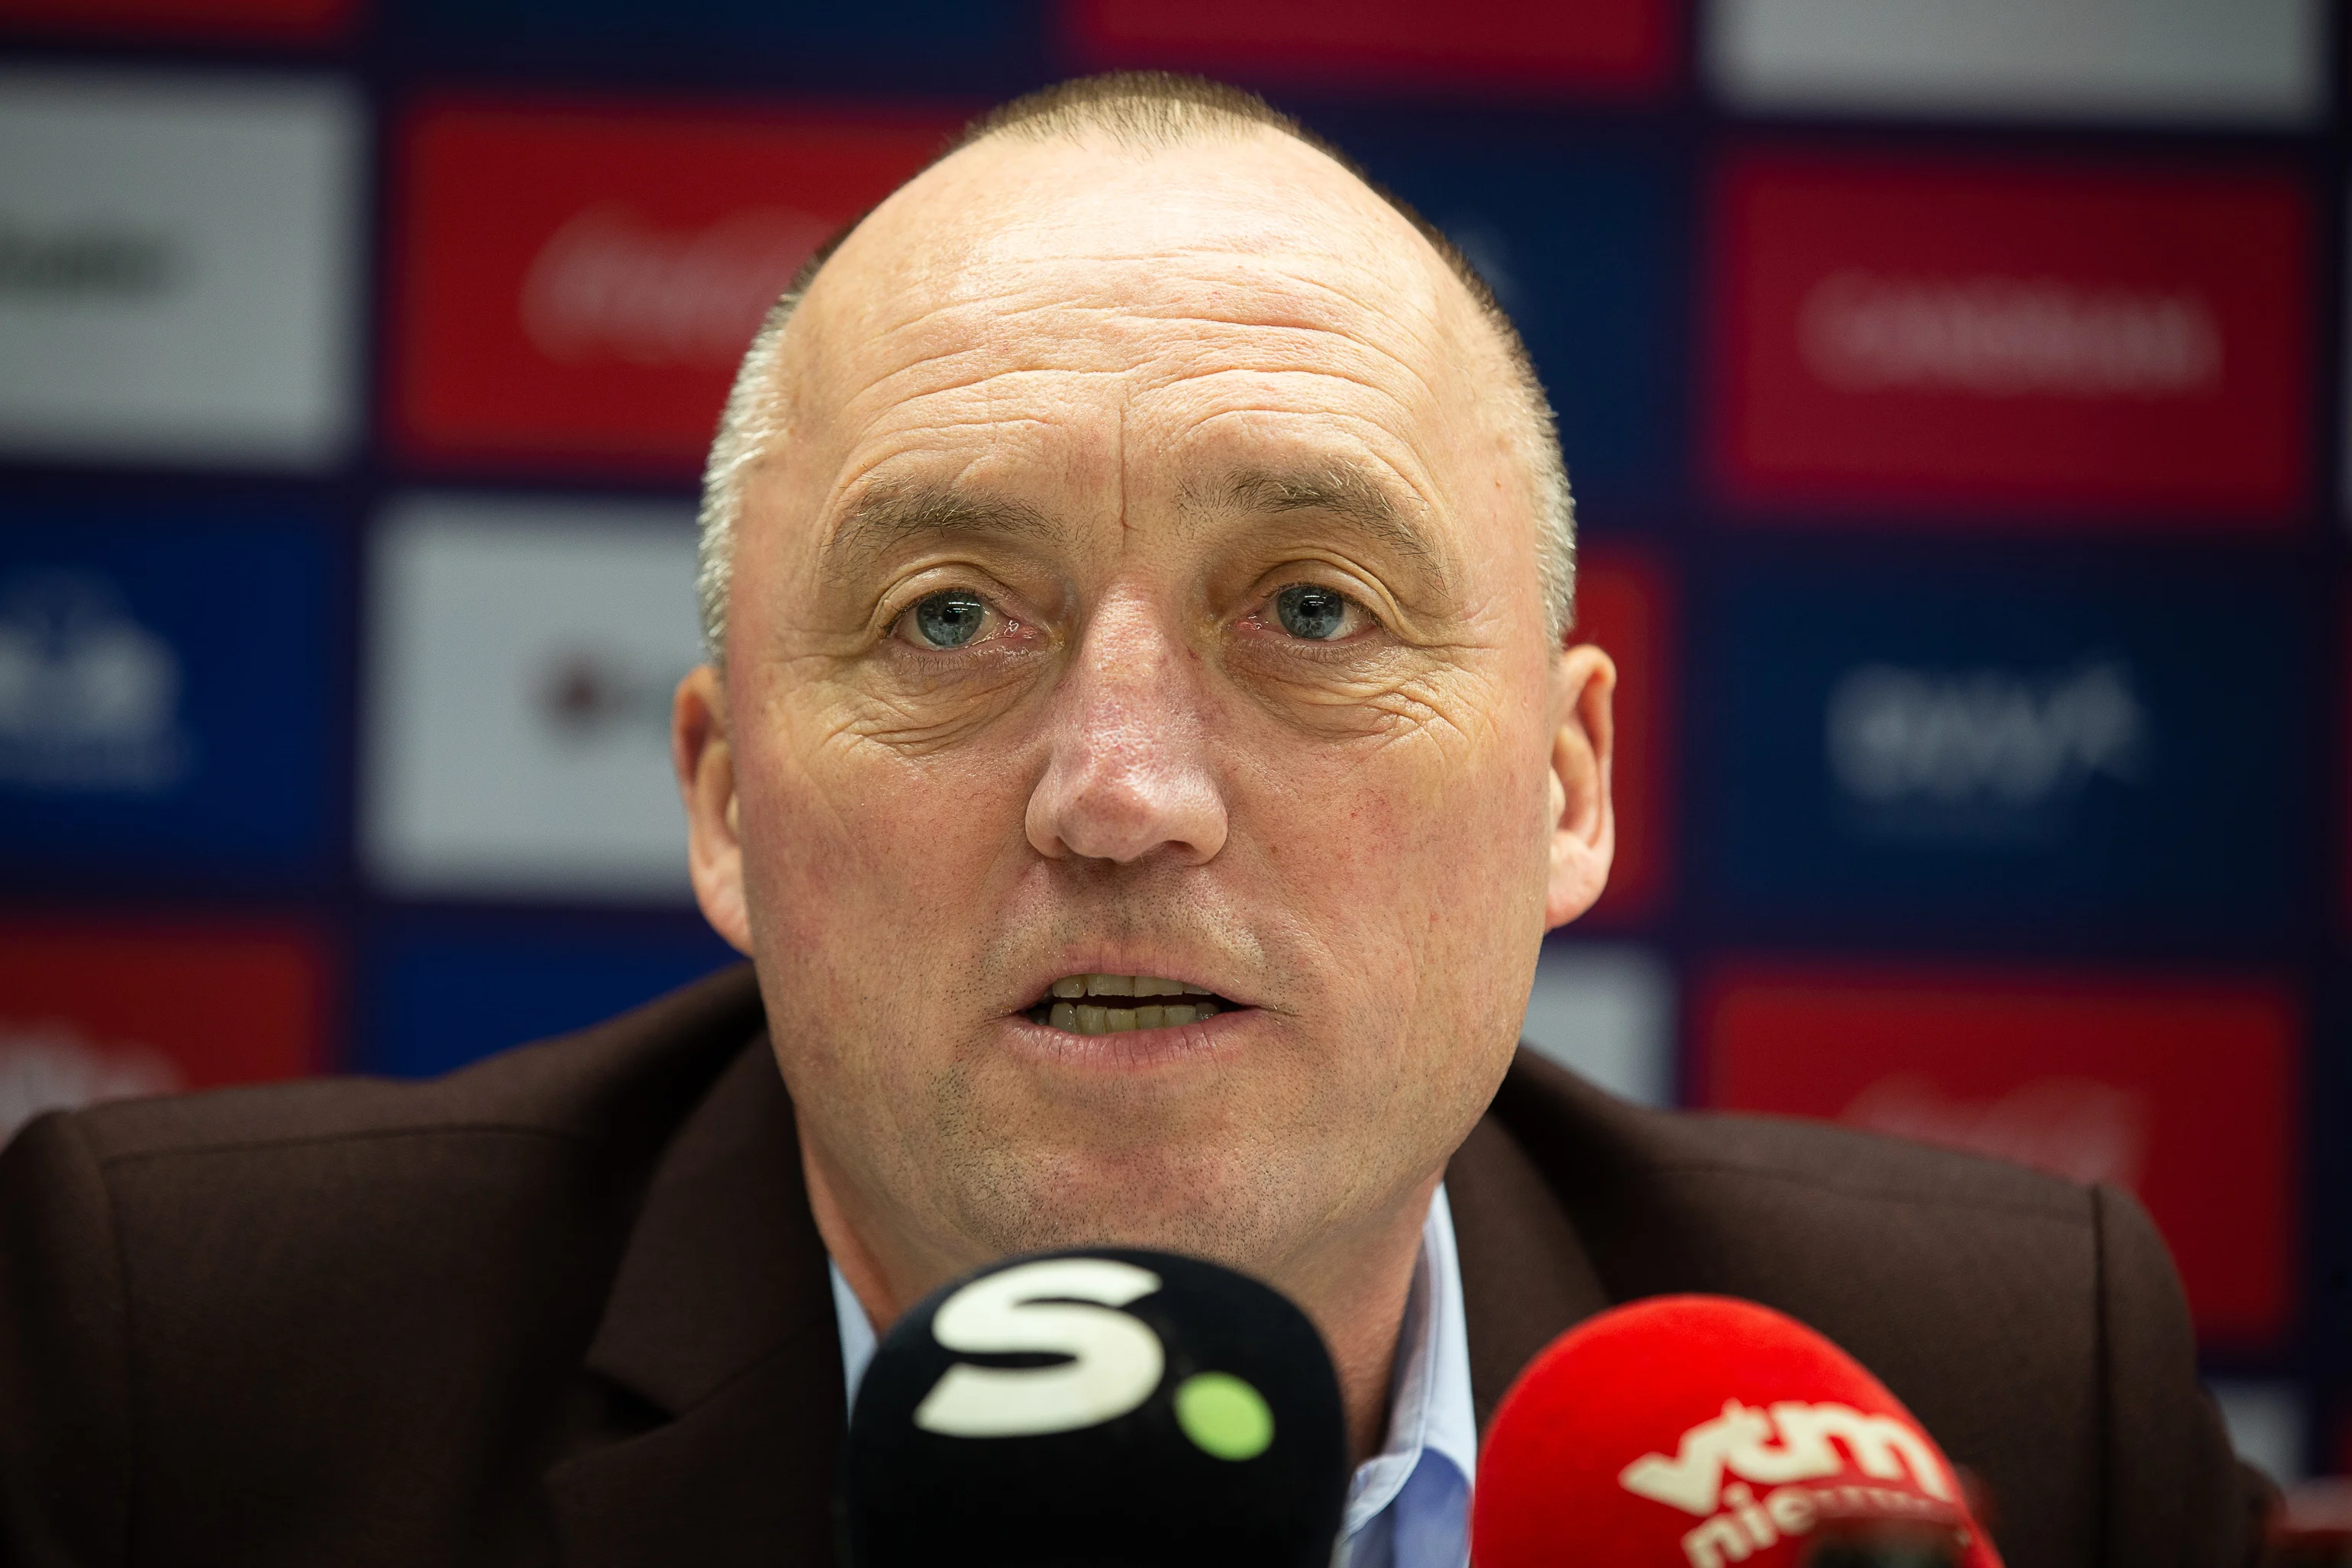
x,y
1107,1408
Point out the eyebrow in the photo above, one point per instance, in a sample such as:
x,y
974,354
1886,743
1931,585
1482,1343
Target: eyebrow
x,y
1343,489
883,520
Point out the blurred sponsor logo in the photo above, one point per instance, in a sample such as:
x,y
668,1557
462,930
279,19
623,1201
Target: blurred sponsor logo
x,y
610,282
588,691
47,1067
2007,337
88,698
2073,1127
2183,1092
1982,345
1980,751
1923,751
87,262
165,693
97,1010
580,284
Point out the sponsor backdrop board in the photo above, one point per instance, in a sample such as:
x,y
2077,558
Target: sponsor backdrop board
x,y
2257,63
118,1009
166,695
1584,247
1952,395
2181,1093
439,994
1625,603
178,262
2084,345
1959,751
213,21
890,44
1613,48
1606,1010
578,285
521,659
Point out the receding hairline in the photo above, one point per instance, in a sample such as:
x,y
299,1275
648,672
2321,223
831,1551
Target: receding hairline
x,y
1144,112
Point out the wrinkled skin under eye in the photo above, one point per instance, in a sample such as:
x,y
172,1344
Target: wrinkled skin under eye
x,y
1312,613
945,620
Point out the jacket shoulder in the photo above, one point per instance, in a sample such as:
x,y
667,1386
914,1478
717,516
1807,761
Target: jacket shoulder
x,y
2033,1324
190,1286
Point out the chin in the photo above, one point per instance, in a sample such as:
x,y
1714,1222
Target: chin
x,y
1217,1204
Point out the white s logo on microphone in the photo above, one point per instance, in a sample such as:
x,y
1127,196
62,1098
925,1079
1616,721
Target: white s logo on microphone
x,y
1063,1306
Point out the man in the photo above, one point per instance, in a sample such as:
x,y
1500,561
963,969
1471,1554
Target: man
x,y
1141,757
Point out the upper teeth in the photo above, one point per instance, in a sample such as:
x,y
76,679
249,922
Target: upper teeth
x,y
1124,986
1093,1017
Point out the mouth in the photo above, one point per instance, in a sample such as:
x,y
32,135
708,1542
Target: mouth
x,y
1120,1003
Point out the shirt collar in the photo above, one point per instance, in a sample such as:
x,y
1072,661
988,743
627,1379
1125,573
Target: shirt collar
x,y
1430,1409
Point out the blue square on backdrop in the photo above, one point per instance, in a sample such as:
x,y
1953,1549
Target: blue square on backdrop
x,y
795,41
1586,248
1996,753
165,693
438,996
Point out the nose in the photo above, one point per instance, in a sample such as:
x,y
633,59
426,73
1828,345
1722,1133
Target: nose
x,y
1128,775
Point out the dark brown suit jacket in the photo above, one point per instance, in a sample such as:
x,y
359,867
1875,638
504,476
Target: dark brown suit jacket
x,y
568,1306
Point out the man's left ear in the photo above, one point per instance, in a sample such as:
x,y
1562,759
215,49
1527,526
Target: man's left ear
x,y
1583,817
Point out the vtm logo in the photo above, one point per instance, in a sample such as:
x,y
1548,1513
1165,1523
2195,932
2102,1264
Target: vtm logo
x,y
1986,752
610,284
1795,1448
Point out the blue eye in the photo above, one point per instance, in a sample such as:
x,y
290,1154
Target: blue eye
x,y
1318,615
949,619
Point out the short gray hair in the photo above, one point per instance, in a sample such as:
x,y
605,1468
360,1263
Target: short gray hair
x,y
1147,110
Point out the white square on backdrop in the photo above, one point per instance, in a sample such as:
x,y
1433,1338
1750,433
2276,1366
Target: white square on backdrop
x,y
522,655
2216,62
1607,1010
178,268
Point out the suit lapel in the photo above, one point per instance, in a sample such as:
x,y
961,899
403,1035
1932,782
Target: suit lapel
x,y
719,1335
1525,1278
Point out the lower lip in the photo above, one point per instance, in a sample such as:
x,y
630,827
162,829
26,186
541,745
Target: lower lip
x,y
1133,1049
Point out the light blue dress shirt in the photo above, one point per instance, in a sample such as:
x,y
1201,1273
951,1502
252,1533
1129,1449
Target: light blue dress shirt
x,y
1408,1505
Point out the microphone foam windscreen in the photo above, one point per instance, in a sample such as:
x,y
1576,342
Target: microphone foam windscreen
x,y
1108,1407
1700,1432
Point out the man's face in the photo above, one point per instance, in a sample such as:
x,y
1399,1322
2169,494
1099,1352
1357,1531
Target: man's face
x,y
1144,587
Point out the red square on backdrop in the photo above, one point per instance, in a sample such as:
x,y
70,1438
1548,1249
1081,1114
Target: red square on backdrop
x,y
1625,602
579,286
1935,337
1611,46
96,1011
276,21
2182,1092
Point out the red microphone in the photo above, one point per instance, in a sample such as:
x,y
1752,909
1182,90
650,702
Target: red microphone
x,y
1701,1432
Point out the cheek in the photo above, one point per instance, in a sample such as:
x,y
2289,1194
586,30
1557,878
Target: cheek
x,y
858,854
1422,861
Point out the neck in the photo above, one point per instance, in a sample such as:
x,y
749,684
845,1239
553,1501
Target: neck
x,y
1355,1289
1353,1286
